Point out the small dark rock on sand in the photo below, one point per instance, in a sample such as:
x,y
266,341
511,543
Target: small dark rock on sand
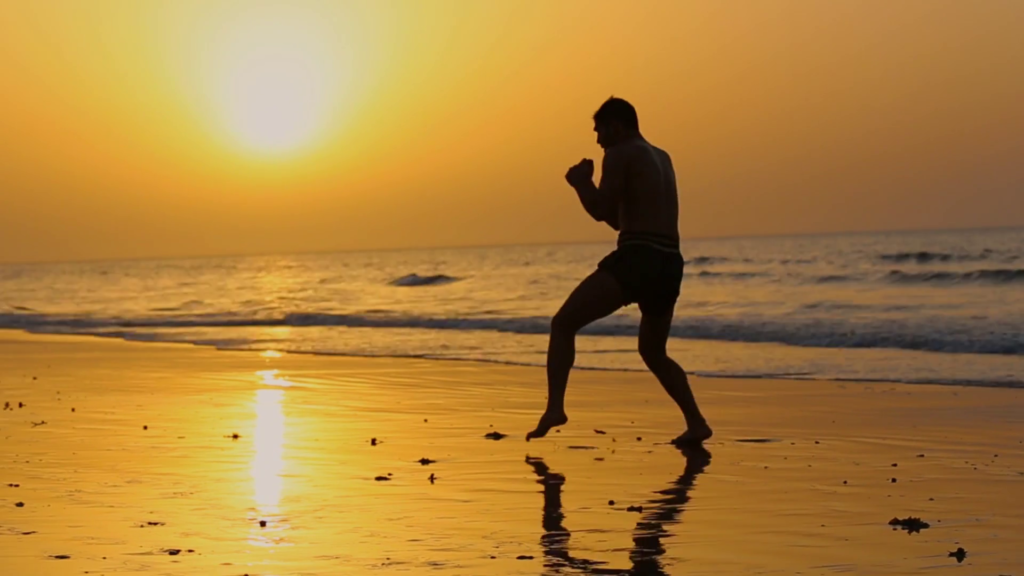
x,y
425,461
634,509
145,427
959,554
432,478
911,524
893,480
495,435
235,436
263,523
173,552
611,502
60,557
19,504
596,431
382,478
524,557
14,485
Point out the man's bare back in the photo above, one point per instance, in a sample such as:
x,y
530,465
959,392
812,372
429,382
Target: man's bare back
x,y
649,202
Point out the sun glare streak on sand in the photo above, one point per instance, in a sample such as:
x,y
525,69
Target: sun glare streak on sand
x,y
269,377
268,462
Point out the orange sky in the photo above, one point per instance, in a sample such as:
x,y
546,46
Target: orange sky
x,y
138,128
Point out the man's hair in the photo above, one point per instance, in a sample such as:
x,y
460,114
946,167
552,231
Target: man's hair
x,y
617,110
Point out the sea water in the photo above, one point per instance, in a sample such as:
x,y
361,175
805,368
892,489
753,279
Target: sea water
x,y
942,307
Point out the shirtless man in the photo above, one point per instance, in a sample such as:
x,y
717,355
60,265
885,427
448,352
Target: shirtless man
x,y
637,197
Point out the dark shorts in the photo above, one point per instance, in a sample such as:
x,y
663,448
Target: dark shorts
x,y
649,276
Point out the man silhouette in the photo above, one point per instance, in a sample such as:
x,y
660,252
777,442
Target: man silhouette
x,y
637,197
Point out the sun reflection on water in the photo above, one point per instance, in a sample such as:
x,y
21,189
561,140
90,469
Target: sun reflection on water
x,y
268,461
268,441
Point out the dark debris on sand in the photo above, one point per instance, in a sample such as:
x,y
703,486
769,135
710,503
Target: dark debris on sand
x,y
495,435
382,478
61,557
432,478
596,431
426,461
524,557
634,509
911,524
959,554
19,504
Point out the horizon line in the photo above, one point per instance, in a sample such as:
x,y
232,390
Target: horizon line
x,y
482,246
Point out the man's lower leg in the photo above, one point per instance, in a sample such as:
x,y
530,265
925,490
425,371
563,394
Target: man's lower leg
x,y
674,380
561,356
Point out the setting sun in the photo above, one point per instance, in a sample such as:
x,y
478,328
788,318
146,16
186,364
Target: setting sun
x,y
274,80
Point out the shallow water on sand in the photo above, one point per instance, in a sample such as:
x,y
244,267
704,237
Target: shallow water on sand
x,y
798,478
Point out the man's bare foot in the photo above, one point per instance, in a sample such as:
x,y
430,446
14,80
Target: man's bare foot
x,y
694,435
548,421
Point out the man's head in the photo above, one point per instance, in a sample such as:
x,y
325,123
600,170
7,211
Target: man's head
x,y
615,121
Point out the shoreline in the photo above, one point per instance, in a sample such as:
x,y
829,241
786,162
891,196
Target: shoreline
x,y
1011,385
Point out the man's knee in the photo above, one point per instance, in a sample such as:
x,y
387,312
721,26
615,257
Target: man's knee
x,y
564,325
654,355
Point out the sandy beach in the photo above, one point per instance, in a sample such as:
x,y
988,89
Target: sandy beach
x,y
140,458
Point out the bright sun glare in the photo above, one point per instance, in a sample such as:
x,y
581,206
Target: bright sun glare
x,y
276,80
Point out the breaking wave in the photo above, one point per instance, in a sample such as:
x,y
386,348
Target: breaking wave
x,y
937,335
417,280
997,276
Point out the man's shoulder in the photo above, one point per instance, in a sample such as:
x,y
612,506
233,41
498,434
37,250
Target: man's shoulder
x,y
627,151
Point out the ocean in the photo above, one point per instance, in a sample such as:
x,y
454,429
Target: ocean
x,y
936,307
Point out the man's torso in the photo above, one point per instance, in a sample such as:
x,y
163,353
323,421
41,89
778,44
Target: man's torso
x,y
649,208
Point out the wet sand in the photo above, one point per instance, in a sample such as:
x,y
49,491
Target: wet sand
x,y
124,453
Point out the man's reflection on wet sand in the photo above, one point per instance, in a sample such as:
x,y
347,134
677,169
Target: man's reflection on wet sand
x,y
647,536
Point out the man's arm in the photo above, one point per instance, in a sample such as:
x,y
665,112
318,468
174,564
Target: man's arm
x,y
602,202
